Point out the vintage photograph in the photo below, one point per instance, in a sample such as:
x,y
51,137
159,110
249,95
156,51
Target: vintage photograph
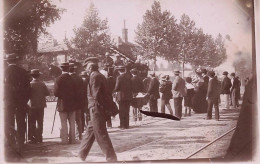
x,y
129,81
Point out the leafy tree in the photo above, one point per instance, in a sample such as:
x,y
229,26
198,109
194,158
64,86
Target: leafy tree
x,y
157,34
24,24
92,38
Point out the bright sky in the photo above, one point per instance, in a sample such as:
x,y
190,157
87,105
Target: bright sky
x,y
213,16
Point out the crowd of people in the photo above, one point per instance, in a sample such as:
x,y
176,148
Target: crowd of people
x,y
85,100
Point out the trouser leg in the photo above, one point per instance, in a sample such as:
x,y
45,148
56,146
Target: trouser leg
x,y
79,123
168,105
72,119
139,114
31,125
21,125
40,117
209,111
178,106
227,101
134,114
162,106
216,106
121,113
9,124
109,123
64,127
102,137
86,142
83,125
127,110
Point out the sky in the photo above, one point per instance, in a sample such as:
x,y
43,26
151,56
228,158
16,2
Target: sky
x,y
213,16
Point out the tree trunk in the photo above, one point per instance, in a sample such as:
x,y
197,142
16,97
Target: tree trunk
x,y
154,61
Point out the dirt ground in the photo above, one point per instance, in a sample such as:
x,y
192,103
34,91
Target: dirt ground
x,y
152,139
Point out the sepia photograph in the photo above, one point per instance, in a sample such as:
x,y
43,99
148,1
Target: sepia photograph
x,y
129,81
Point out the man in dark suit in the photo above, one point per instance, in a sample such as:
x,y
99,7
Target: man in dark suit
x,y
137,87
124,96
225,89
79,97
65,90
85,117
166,90
179,92
234,90
153,93
212,96
111,82
16,96
97,94
206,81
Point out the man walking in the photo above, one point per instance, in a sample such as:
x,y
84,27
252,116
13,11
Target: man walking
x,y
153,93
179,92
65,90
225,89
97,93
124,96
16,96
212,96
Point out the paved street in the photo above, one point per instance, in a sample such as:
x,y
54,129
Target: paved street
x,y
155,139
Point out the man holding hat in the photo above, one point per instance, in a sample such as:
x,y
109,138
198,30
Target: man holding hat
x,y
65,90
225,89
124,96
16,95
37,104
97,104
153,93
212,96
179,92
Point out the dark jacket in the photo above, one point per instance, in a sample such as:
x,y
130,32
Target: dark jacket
x,y
111,83
137,84
213,89
38,93
97,90
166,90
236,84
146,83
65,90
205,84
124,88
108,62
79,90
16,86
226,85
153,90
85,94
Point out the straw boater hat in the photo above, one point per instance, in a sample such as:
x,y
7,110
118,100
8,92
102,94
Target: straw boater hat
x,y
35,72
176,72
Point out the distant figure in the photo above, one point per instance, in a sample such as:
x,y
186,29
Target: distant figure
x,y
212,96
234,90
206,81
118,61
111,82
54,71
189,96
239,94
108,61
225,89
79,97
153,93
37,104
124,96
178,93
166,90
65,90
85,117
137,86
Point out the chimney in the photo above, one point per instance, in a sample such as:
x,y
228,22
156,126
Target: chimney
x,y
124,34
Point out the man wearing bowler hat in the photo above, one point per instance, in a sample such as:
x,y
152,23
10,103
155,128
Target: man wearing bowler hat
x,y
225,89
124,96
153,93
235,89
16,95
65,90
179,92
37,104
97,96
